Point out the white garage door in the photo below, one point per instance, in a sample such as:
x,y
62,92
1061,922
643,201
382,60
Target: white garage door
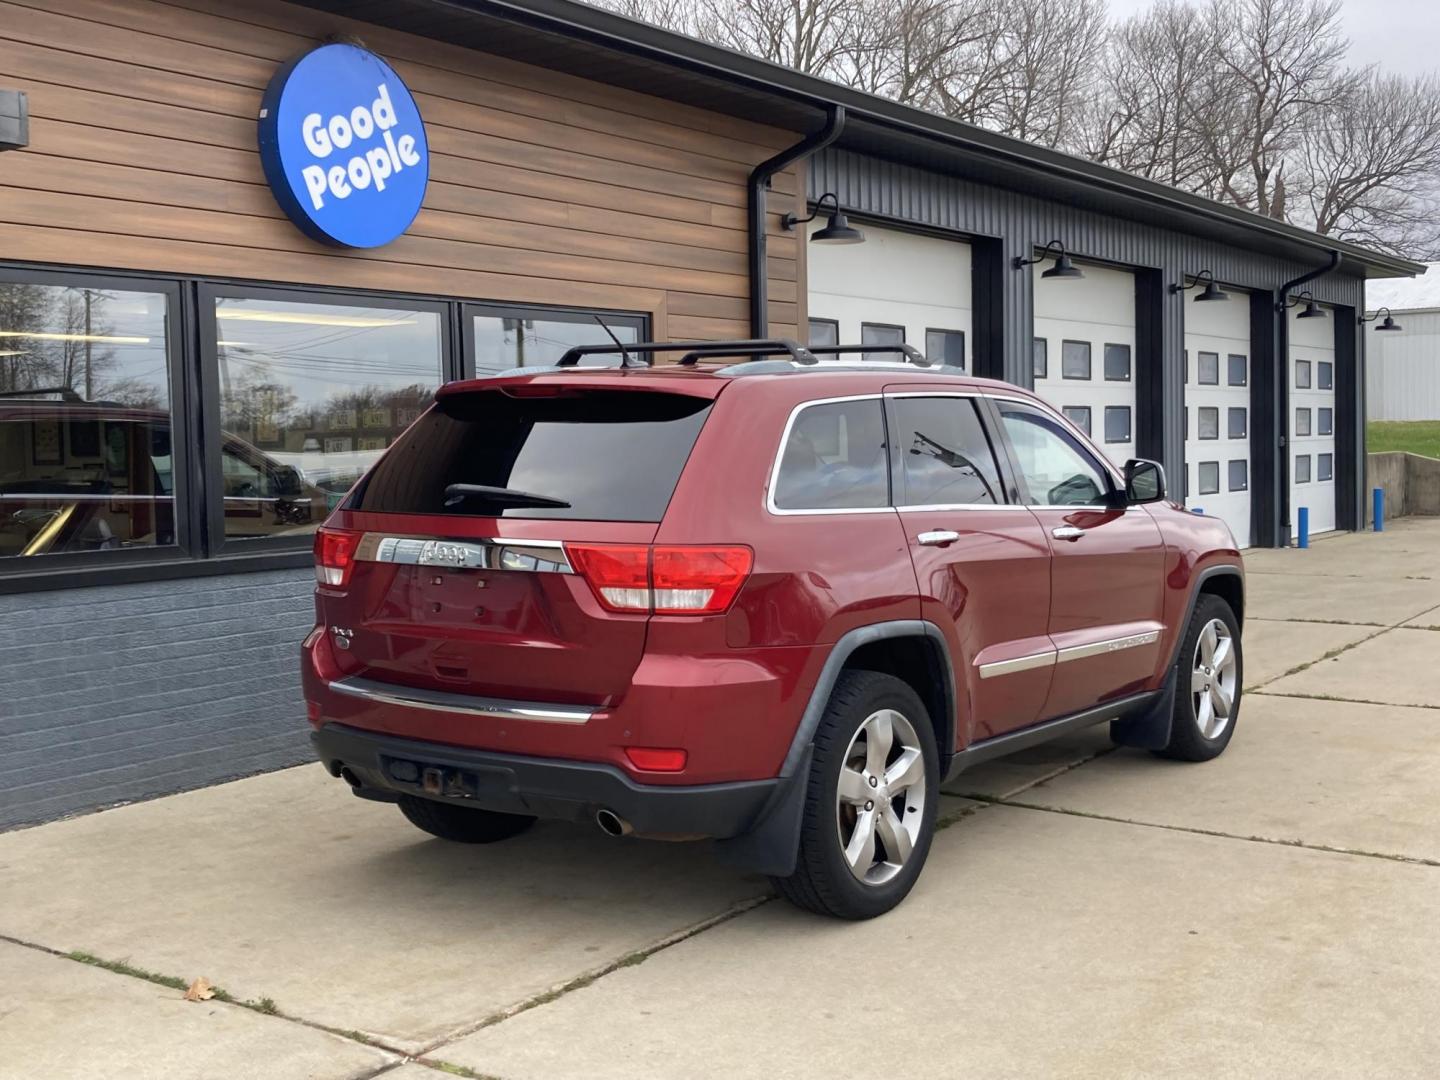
x,y
895,287
1217,411
1084,352
1312,420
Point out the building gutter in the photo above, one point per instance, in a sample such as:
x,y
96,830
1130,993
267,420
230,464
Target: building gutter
x,y
758,187
1282,358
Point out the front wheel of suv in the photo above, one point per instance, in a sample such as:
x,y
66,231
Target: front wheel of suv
x,y
462,824
870,807
1209,681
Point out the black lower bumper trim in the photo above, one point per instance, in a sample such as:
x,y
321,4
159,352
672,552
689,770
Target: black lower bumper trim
x,y
542,787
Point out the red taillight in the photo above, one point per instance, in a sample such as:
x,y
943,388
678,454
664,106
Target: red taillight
x,y
335,555
656,758
619,574
698,580
665,579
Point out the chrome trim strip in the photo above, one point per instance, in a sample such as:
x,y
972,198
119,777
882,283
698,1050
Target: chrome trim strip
x,y
1098,648
1019,663
535,556
442,701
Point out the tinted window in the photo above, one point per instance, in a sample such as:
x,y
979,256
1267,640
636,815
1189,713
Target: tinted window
x,y
1117,423
1327,375
1302,421
1302,374
1075,360
1239,475
945,347
824,332
1209,419
946,456
1079,415
611,455
1326,421
1237,369
1237,422
1057,469
1040,357
1302,469
85,455
1209,474
1209,373
1325,467
834,459
1117,363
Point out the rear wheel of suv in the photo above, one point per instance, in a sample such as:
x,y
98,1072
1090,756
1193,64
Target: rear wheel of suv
x,y
462,824
1209,682
870,806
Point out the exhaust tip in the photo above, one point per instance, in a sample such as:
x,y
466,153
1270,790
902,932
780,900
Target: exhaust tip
x,y
612,824
348,775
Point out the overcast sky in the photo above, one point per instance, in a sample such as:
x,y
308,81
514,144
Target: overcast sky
x,y
1398,35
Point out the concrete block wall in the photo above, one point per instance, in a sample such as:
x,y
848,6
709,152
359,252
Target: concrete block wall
x,y
128,691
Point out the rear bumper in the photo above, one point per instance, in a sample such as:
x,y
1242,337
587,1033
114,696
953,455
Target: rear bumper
x,y
388,766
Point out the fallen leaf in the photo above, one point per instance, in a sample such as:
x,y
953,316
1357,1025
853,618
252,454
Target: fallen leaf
x,y
200,990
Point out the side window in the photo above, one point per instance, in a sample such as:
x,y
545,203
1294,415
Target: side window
x,y
1057,469
946,457
834,459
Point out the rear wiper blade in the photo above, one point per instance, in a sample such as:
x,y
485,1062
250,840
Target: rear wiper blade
x,y
455,494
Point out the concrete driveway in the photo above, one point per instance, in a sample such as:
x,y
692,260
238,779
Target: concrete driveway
x,y
1087,912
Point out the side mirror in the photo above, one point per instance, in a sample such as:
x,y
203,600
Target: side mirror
x,y
1144,481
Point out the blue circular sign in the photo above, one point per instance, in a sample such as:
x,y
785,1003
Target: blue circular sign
x,y
343,147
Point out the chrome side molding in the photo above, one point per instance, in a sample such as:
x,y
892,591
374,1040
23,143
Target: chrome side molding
x,y
1051,657
1019,663
444,701
535,556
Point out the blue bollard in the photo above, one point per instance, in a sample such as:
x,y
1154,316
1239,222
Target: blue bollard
x,y
1197,509
1304,538
1377,498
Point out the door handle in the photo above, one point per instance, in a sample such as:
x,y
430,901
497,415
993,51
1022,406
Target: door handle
x,y
1067,532
938,537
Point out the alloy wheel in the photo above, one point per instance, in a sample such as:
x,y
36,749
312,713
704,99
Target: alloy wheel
x,y
1213,679
880,803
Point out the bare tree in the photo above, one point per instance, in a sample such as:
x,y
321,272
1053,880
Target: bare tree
x,y
1370,164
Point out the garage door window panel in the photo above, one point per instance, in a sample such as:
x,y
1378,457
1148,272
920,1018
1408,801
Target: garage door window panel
x,y
1302,374
1117,423
1117,363
1237,369
1040,358
1325,467
1325,421
1325,375
1075,360
1239,475
1208,372
1302,422
1079,415
946,458
1209,475
945,347
1209,420
1236,420
1302,468
824,332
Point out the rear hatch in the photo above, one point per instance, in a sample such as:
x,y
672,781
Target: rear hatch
x,y
464,541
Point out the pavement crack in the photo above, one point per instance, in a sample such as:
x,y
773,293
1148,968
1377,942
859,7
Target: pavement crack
x,y
1329,849
1333,653
1346,700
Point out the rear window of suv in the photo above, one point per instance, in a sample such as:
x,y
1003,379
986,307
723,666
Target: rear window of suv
x,y
611,455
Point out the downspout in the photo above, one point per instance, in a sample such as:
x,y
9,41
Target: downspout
x,y
1282,357
759,184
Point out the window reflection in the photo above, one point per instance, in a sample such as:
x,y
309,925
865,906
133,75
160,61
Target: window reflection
x,y
310,397
505,342
85,456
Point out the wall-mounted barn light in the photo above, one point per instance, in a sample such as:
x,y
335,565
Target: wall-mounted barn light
x,y
1388,324
837,230
1312,309
1063,267
1210,292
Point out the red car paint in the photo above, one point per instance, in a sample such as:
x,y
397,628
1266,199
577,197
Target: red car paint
x,y
729,689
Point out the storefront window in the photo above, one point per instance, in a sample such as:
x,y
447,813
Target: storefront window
x,y
311,394
85,441
535,339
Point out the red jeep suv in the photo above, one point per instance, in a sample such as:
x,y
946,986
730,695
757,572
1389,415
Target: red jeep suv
x,y
755,597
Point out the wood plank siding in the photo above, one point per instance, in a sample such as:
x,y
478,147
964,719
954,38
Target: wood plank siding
x,y
545,187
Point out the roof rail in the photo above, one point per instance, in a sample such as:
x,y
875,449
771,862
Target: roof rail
x,y
756,349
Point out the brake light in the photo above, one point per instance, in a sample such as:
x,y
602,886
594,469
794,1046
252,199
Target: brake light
x,y
335,555
666,579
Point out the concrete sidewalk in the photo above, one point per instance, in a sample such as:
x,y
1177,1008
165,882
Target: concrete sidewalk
x,y
1087,912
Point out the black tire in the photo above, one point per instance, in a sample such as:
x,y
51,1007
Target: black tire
x,y
1187,741
823,881
462,824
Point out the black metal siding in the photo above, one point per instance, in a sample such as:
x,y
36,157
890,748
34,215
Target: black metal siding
x,y
1017,224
